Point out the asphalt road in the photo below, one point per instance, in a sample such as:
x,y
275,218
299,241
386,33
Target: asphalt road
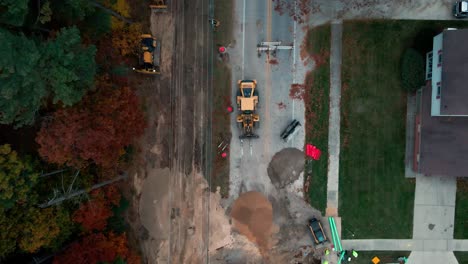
x,y
256,22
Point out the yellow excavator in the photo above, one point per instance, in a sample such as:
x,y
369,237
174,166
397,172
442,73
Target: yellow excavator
x,y
159,5
149,57
247,101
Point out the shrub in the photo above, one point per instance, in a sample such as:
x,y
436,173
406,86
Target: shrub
x,y
412,70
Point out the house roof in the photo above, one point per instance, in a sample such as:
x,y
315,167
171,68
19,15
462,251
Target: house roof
x,y
444,142
454,90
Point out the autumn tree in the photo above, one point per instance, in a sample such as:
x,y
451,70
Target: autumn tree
x,y
61,69
17,177
98,248
9,224
93,215
96,130
38,228
29,228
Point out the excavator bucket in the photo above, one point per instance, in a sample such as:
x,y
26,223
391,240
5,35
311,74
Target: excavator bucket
x,y
159,5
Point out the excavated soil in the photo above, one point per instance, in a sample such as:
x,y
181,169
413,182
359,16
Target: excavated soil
x,y
252,216
285,167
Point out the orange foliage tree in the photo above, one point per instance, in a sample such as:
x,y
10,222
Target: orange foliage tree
x,y
93,215
98,248
95,130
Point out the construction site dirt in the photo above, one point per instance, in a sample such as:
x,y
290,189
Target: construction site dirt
x,y
175,215
170,209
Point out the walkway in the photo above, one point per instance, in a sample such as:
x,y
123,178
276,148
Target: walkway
x,y
334,128
406,244
334,120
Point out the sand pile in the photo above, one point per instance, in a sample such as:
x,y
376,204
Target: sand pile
x,y
252,215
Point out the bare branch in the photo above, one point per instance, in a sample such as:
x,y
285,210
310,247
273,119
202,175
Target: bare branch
x,y
55,201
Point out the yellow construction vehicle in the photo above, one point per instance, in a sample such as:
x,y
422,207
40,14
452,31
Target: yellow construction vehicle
x,y
149,57
247,100
159,5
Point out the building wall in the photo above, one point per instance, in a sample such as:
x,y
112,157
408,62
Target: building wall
x,y
437,50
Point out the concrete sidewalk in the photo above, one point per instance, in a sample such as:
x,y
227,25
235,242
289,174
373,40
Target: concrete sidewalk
x,y
432,245
334,119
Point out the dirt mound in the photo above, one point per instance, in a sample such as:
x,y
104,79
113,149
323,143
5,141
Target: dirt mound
x,y
252,215
285,167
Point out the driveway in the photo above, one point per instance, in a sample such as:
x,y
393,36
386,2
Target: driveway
x,y
434,207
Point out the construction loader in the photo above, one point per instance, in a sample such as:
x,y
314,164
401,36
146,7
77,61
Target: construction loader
x,y
247,101
149,55
159,6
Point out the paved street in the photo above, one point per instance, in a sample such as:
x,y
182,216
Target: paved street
x,y
257,22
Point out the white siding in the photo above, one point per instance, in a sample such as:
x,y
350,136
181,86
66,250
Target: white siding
x,y
436,74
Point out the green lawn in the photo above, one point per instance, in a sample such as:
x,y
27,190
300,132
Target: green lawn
x,y
376,200
365,257
461,211
462,257
221,128
317,108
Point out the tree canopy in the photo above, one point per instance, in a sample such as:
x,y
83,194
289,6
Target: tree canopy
x,y
68,67
93,215
17,178
30,73
95,130
412,70
13,12
98,248
30,228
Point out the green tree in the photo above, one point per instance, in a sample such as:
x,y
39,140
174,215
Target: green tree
x,y
68,67
71,11
17,178
30,73
21,87
412,70
13,12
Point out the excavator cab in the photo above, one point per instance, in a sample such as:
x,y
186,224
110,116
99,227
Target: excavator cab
x,y
150,50
247,100
247,95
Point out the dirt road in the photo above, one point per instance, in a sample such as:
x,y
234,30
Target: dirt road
x,y
172,195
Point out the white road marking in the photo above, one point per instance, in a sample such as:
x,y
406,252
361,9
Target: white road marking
x,y
242,148
243,40
294,55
